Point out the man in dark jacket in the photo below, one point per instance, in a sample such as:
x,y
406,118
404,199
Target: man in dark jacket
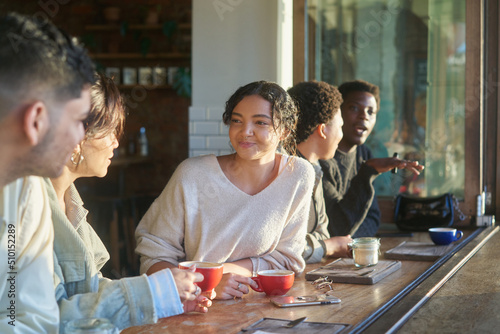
x,y
348,178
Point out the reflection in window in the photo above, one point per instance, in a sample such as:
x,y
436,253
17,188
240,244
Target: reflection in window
x,y
415,52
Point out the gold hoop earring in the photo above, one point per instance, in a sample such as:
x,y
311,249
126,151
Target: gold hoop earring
x,y
76,160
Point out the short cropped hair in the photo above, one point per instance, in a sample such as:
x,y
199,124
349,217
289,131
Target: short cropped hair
x,y
360,86
39,62
283,109
107,109
317,102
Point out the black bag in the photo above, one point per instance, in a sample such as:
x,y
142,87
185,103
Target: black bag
x,y
421,213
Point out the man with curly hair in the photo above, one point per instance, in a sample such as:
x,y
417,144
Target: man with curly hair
x,y
348,177
319,131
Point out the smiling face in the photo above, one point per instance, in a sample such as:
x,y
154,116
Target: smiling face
x,y
97,153
359,112
251,129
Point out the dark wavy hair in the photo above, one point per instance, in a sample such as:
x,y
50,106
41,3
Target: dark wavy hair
x,y
107,109
360,86
283,109
40,62
317,102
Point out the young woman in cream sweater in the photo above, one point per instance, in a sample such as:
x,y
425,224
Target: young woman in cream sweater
x,y
247,210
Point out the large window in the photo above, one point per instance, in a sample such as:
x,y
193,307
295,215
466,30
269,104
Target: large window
x,y
415,52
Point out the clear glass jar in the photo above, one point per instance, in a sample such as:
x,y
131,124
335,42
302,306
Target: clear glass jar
x,y
365,251
90,326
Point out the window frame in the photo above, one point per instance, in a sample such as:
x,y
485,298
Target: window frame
x,y
482,124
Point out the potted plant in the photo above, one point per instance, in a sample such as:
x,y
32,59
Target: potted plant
x,y
182,82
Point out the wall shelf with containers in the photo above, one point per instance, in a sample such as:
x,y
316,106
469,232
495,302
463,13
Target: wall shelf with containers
x,y
156,56
157,77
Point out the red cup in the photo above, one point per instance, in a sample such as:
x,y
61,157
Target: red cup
x,y
274,282
211,271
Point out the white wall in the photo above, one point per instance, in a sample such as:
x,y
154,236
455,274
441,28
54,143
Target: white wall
x,y
234,42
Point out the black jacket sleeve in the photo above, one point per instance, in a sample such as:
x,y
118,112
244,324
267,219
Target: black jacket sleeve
x,y
353,210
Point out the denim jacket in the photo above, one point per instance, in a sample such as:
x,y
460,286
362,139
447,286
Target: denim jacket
x,y
80,289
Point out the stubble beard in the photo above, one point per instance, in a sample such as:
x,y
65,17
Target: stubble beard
x,y
45,158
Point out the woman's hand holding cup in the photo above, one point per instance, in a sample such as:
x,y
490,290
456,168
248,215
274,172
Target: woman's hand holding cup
x,y
212,274
191,297
184,280
234,285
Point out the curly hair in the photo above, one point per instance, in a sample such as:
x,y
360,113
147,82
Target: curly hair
x,y
283,109
317,103
360,86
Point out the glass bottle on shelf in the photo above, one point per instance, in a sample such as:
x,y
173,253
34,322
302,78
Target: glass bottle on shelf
x,y
142,143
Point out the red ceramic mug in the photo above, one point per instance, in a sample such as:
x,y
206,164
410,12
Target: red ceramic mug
x,y
211,271
274,282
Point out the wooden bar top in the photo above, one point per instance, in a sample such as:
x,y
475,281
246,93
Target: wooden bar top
x,y
358,301
474,291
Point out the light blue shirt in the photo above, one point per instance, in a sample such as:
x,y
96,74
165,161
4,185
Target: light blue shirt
x,y
80,289
165,296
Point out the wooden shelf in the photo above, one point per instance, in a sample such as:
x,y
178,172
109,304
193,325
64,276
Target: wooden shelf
x,y
138,56
117,27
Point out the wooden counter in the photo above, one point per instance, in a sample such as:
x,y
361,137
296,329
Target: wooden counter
x,y
471,295
361,305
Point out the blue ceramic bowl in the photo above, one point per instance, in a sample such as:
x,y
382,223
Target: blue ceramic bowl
x,y
444,235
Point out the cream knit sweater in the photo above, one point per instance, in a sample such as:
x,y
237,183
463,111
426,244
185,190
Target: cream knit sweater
x,y
202,216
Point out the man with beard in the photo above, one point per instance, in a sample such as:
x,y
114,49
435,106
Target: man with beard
x,y
348,178
45,79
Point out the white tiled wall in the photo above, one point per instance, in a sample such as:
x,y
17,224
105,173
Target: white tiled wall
x,y
222,60
207,133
